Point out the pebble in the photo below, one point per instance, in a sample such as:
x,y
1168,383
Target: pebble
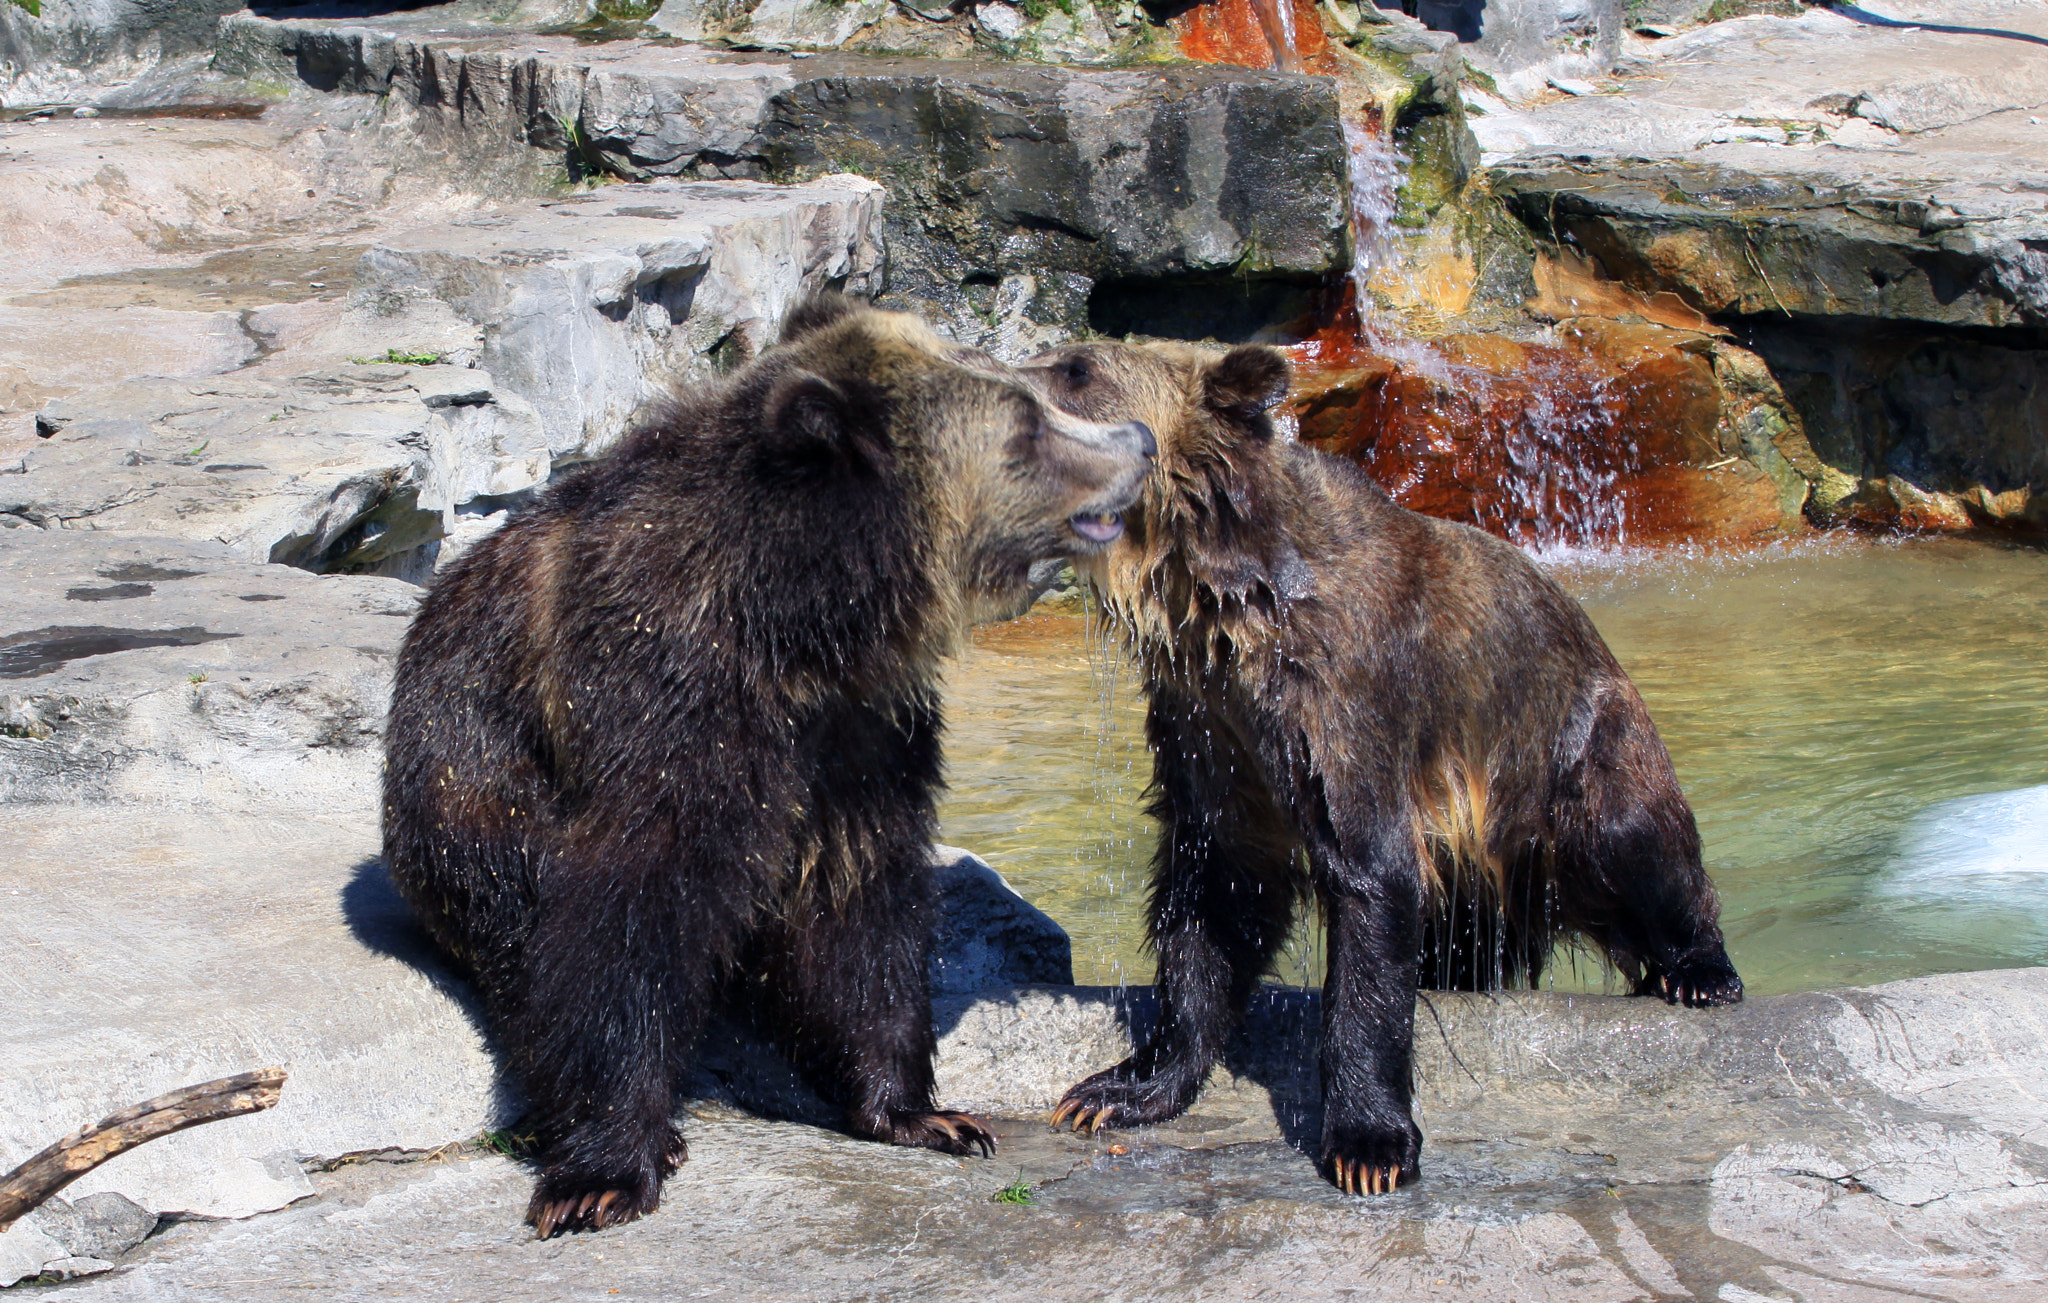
x,y
85,111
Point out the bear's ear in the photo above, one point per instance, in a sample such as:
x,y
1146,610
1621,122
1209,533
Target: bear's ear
x,y
816,313
1248,380
816,424
807,410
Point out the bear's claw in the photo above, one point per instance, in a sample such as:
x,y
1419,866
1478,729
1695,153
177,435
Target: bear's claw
x,y
1696,986
593,1210
1085,1119
1119,1097
947,1131
1372,1158
1353,1177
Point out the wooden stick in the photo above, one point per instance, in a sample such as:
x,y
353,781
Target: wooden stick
x,y
22,1189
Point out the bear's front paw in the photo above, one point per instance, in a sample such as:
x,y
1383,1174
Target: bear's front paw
x,y
1696,983
579,1200
564,1203
1371,1159
1118,1097
941,1129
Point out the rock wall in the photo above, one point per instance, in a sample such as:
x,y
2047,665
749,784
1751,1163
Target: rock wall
x,y
1013,189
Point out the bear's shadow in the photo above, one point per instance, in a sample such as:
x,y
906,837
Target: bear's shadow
x,y
738,1066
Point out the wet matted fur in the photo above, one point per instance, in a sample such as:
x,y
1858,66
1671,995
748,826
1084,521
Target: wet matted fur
x,y
1401,714
677,727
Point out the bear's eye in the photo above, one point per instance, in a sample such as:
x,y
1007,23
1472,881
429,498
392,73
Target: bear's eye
x,y
1075,372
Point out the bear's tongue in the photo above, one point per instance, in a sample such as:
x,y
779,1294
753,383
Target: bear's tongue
x,y
1100,527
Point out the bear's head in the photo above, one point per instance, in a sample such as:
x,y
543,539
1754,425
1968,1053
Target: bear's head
x,y
1205,519
998,478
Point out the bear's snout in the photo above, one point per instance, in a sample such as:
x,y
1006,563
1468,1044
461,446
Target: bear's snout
x,y
1141,436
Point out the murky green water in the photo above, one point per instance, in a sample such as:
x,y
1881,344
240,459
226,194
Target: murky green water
x,y
1832,707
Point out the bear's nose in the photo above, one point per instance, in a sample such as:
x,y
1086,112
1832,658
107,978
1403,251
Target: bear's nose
x,y
1141,434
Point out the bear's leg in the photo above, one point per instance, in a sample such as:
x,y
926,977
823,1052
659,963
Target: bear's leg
x,y
619,971
1630,864
1372,904
847,995
1662,930
1225,882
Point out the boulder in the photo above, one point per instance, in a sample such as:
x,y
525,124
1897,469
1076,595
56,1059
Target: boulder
x,y
988,935
593,306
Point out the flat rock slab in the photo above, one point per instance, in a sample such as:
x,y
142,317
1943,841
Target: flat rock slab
x,y
161,670
352,466
1747,243
1919,1175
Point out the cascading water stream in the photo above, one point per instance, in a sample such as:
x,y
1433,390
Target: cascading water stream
x,y
1533,442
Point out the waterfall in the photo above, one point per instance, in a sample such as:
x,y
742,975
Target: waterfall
x,y
1376,167
1535,436
1525,438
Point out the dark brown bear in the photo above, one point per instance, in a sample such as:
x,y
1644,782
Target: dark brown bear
x,y
678,726
1410,702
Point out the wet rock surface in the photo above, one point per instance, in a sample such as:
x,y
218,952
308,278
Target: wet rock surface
x,y
1855,1145
151,670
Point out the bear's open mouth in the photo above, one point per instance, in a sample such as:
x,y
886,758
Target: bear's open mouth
x,y
1097,526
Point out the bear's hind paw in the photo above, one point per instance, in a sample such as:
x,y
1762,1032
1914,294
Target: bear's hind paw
x,y
941,1129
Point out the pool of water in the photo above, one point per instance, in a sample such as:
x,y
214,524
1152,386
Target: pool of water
x,y
1862,728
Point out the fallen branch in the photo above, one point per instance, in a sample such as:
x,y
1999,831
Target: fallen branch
x,y
22,1189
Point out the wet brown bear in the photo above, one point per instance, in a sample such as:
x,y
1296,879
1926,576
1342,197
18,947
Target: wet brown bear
x,y
678,725
1410,702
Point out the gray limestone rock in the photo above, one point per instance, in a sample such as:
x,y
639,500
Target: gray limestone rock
x,y
988,935
1118,199
353,467
1015,192
593,306
1577,1147
99,1226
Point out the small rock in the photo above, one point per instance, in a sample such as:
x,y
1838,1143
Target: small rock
x,y
24,1248
1573,86
988,935
85,111
1004,21
73,1268
98,1227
